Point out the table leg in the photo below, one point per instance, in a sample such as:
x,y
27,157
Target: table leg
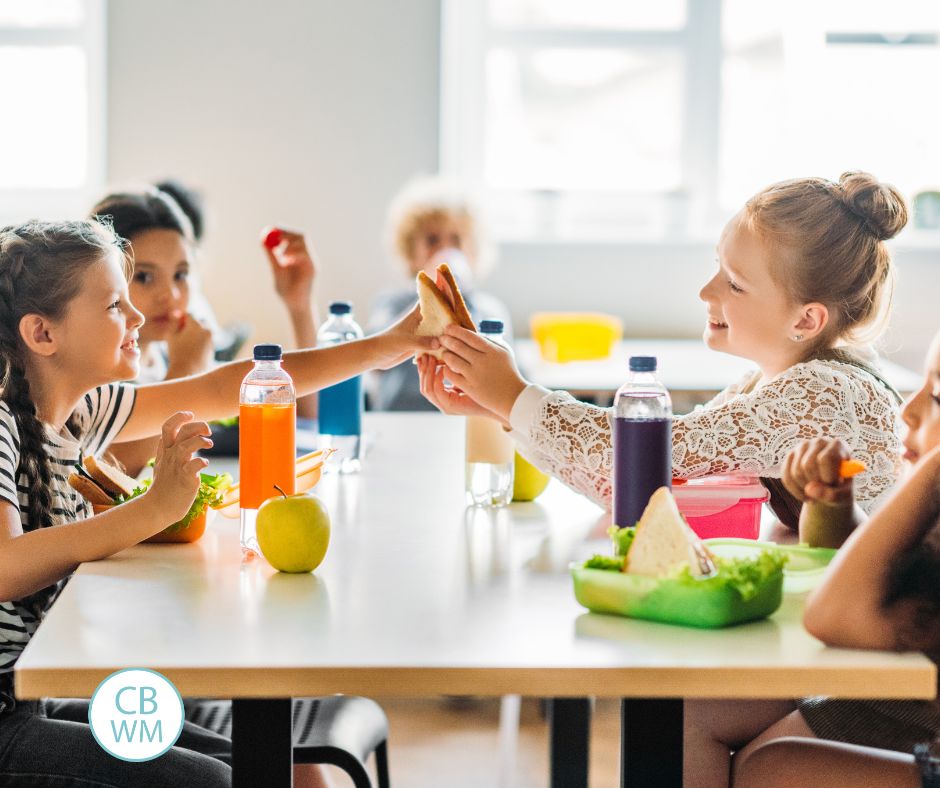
x,y
651,743
569,721
262,743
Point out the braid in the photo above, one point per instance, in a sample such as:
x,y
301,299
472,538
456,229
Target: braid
x,y
34,463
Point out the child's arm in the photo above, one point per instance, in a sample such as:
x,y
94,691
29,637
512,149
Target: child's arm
x,y
214,394
36,559
294,268
738,432
847,608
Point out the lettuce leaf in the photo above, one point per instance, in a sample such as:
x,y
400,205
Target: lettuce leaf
x,y
212,488
621,538
604,562
744,575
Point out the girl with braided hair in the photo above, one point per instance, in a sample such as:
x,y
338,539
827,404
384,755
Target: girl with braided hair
x,y
68,337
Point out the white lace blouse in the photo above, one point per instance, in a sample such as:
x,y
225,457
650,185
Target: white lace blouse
x,y
745,429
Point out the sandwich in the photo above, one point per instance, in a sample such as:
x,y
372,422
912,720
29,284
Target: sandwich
x,y
102,484
441,305
105,486
663,541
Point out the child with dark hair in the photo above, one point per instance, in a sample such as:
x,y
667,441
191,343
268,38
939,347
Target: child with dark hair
x,y
68,337
882,591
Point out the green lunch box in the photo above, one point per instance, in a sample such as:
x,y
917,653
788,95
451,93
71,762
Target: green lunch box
x,y
696,603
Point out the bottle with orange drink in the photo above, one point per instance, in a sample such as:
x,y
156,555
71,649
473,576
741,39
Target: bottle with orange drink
x,y
267,443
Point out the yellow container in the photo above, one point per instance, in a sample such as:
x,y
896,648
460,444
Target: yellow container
x,y
575,336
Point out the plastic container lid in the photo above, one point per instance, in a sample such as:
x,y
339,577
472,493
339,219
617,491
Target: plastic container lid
x,y
267,353
340,308
712,494
491,326
642,363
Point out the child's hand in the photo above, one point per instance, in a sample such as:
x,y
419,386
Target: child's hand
x,y
482,370
293,266
447,399
176,470
399,341
190,348
811,472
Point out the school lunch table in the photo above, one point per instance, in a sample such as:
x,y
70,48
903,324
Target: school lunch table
x,y
420,596
691,371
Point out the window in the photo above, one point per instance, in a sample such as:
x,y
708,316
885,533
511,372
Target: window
x,y
620,120
53,129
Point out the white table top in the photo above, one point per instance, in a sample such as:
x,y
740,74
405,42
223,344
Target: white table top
x,y
684,365
418,596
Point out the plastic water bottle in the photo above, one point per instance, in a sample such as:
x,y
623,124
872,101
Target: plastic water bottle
x,y
267,438
340,406
642,441
490,449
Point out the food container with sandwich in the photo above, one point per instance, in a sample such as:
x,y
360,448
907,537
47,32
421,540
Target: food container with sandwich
x,y
663,572
722,506
104,486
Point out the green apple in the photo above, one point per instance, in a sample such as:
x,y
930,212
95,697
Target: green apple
x,y
293,532
528,482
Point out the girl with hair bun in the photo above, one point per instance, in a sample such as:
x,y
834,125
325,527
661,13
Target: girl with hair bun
x,y
803,282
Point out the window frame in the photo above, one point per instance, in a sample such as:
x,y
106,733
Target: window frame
x,y
465,39
90,35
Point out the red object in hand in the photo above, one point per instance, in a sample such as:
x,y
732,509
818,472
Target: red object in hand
x,y
273,238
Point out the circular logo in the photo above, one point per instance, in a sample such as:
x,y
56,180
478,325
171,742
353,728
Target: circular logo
x,y
136,714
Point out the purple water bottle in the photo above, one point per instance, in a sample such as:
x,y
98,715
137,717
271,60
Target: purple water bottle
x,y
642,441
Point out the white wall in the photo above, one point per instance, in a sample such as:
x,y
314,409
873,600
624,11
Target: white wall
x,y
312,113
304,112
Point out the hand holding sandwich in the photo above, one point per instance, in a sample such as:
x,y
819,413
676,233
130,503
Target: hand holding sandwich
x,y
485,373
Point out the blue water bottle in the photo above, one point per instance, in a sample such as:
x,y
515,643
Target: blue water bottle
x,y
642,441
340,408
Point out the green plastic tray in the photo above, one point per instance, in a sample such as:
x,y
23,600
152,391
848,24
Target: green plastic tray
x,y
805,565
704,603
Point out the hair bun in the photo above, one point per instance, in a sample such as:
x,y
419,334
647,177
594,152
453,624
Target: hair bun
x,y
879,205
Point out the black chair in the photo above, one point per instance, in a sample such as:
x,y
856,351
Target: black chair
x,y
342,730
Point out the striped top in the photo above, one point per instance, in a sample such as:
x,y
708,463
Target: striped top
x,y
98,419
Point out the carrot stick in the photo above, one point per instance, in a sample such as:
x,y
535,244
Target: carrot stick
x,y
848,468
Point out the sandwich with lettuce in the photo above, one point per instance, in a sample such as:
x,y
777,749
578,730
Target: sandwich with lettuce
x,y
105,486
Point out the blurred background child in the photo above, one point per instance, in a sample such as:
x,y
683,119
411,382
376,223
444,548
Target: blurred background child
x,y
430,221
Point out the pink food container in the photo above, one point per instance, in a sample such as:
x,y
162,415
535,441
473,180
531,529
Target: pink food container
x,y
722,505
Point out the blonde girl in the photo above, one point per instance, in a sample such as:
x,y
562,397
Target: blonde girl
x,y
68,336
803,271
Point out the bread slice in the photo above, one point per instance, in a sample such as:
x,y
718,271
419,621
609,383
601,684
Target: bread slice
x,y
111,479
90,490
436,310
663,540
460,306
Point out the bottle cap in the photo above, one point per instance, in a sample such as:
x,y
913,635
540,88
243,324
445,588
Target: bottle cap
x,y
491,326
267,353
642,363
340,308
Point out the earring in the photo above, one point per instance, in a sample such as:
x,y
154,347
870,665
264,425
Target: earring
x,y
797,337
